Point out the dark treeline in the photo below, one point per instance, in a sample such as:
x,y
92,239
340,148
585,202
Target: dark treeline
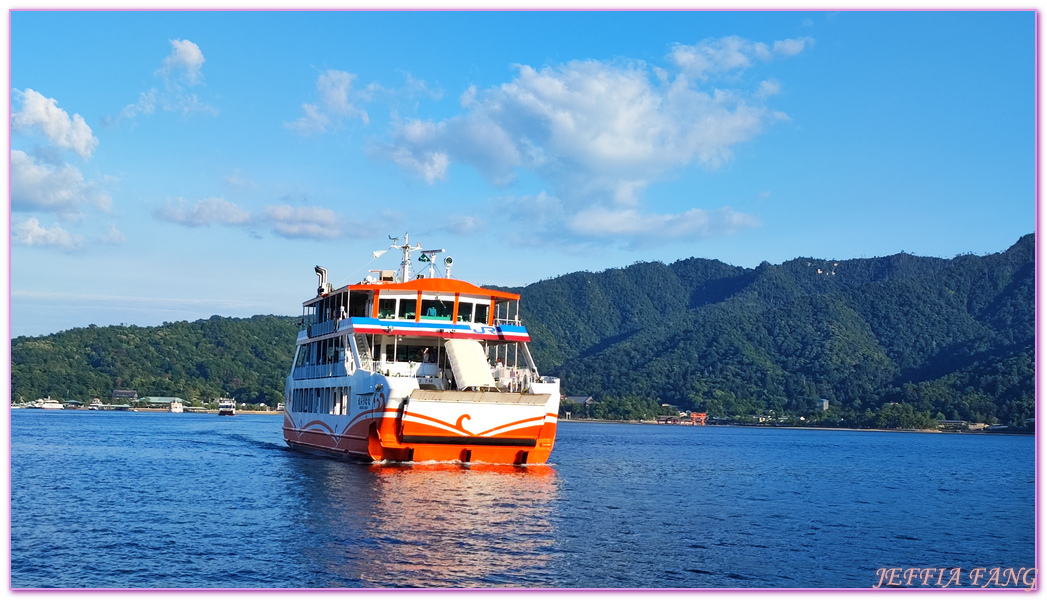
x,y
246,359
896,341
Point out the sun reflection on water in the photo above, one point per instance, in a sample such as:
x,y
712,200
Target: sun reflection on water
x,y
434,524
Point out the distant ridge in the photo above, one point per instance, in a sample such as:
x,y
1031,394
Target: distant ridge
x,y
949,338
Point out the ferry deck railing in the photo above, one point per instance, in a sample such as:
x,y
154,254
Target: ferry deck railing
x,y
316,371
325,327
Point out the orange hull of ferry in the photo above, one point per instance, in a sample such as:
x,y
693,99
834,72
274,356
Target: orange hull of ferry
x,y
391,439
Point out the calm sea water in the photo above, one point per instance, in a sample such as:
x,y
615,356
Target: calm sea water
x,y
157,500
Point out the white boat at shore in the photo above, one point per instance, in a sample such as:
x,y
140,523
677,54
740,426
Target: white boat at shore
x,y
45,404
226,407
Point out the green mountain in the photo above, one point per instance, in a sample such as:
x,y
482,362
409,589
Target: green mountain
x,y
246,359
954,337
884,339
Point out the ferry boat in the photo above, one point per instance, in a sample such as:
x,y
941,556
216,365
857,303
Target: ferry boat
x,y
226,407
412,369
176,406
46,404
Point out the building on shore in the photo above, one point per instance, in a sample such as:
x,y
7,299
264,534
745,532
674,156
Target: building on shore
x,y
172,403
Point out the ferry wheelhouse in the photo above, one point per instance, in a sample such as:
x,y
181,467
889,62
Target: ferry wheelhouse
x,y
429,368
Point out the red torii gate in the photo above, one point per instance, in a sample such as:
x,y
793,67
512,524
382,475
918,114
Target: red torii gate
x,y
698,418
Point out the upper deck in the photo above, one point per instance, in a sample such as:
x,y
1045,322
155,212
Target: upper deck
x,y
425,306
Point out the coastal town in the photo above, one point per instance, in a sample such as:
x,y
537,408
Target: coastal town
x,y
672,415
128,400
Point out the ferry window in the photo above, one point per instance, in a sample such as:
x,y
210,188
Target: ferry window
x,y
387,308
407,308
465,312
406,353
358,305
481,313
437,310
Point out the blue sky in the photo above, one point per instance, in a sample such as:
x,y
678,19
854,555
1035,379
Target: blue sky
x,y
174,165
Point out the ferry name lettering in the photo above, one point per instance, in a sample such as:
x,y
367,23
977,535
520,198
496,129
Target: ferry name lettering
x,y
483,329
955,577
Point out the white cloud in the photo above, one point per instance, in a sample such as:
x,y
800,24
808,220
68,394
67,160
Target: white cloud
x,y
203,213
334,89
414,87
61,189
187,104
42,113
336,105
710,57
792,47
768,88
237,180
303,221
468,97
30,233
113,235
182,67
185,60
543,218
590,128
430,166
463,224
146,105
314,121
537,220
600,133
651,229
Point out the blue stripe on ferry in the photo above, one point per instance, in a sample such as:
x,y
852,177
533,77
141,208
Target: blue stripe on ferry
x,y
367,323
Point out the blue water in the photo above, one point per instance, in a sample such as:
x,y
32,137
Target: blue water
x,y
157,500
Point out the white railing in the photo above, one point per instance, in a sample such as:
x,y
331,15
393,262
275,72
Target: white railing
x,y
316,371
408,369
322,328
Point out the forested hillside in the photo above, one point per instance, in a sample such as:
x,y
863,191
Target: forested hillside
x,y
246,359
898,339
946,338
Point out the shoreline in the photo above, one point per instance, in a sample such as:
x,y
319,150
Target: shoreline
x,y
936,431
164,410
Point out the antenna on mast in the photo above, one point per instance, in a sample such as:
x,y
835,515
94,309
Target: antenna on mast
x,y
405,264
427,257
